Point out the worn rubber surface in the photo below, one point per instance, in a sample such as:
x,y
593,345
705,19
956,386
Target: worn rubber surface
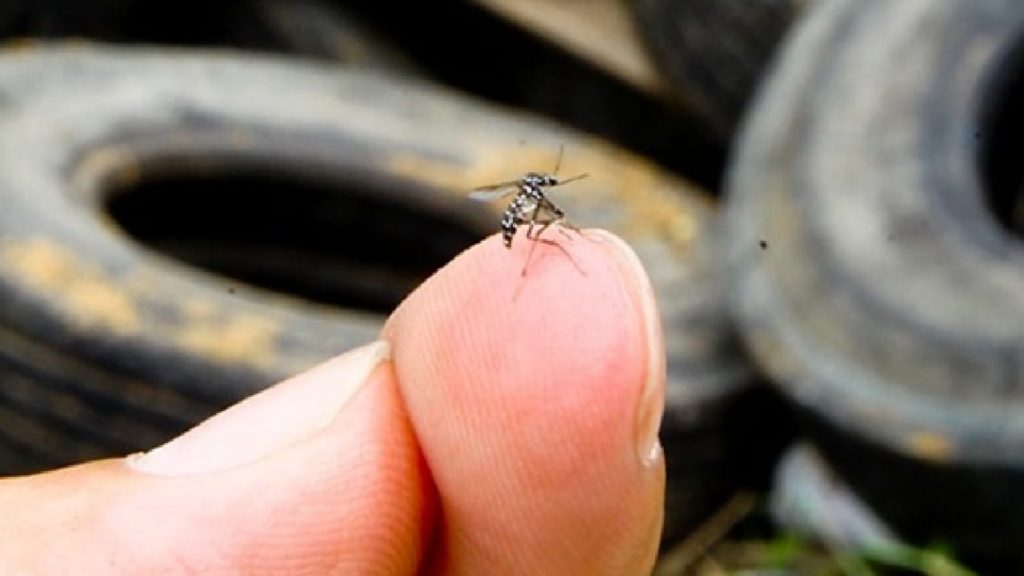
x,y
108,345
871,279
715,51
316,28
19,18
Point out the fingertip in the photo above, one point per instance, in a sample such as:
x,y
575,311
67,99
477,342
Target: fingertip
x,y
651,406
532,396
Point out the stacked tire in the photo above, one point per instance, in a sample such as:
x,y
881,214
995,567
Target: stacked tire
x,y
871,274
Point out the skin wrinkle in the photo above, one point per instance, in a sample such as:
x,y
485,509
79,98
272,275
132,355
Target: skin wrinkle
x,y
307,541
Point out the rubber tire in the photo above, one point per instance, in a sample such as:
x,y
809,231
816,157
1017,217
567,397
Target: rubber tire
x,y
715,51
107,346
317,29
49,18
870,279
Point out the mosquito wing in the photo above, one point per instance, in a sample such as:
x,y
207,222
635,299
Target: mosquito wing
x,y
493,191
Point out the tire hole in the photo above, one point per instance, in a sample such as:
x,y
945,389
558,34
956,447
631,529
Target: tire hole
x,y
330,244
1001,140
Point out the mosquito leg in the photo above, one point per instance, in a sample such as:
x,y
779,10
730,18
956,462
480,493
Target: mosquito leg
x,y
564,251
533,221
537,227
536,238
532,236
570,226
561,229
556,216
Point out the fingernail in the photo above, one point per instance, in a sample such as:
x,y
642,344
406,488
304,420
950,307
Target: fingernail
x,y
270,421
651,405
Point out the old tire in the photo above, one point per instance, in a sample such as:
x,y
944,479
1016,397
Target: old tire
x,y
715,51
871,280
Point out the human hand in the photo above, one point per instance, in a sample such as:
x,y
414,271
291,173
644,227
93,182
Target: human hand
x,y
503,425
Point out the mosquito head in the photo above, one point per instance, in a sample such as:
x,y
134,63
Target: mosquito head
x,y
540,179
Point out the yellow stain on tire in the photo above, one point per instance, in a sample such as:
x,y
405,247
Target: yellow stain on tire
x,y
931,446
85,296
237,339
89,298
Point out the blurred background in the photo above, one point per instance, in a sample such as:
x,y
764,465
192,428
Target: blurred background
x,y
199,198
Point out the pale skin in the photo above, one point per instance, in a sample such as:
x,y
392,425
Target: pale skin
x,y
503,425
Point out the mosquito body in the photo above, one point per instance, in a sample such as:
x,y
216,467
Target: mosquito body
x,y
530,207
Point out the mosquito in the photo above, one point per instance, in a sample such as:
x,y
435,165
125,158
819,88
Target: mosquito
x,y
531,207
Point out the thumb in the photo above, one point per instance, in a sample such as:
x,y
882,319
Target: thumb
x,y
320,474
536,401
